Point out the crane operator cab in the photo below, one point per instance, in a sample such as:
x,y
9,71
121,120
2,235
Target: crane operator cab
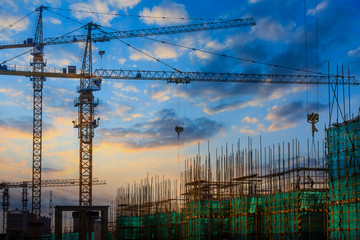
x,y
95,84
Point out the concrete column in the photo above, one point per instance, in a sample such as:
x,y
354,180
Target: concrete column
x,y
83,223
58,224
104,224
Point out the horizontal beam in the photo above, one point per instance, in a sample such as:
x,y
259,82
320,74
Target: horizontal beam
x,y
49,183
14,45
187,77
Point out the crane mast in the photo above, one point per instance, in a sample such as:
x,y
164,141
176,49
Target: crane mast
x,y
85,122
38,66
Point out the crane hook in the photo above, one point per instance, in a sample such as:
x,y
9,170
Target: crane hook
x,y
313,118
101,53
179,130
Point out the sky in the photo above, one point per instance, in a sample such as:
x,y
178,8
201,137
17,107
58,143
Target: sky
x,y
136,134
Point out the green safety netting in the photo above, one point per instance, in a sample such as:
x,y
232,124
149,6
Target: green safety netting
x,y
129,227
245,217
344,149
344,181
344,221
68,236
294,214
162,226
206,218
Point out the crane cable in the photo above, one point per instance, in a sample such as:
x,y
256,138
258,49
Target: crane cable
x,y
71,19
175,123
33,47
144,16
237,58
16,22
306,59
150,56
227,56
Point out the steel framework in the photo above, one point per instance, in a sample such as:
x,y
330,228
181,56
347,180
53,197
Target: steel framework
x,y
186,77
38,66
104,37
86,123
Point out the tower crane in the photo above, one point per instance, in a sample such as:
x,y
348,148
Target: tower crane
x,y
85,102
5,186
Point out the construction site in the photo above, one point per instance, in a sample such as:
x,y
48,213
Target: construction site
x,y
296,188
267,193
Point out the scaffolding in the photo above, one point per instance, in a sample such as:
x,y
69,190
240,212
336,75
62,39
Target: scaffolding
x,y
148,210
264,193
343,144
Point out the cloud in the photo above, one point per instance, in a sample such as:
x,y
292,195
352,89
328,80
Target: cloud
x,y
226,107
121,61
121,86
62,58
249,120
248,130
54,20
17,129
354,52
157,51
11,92
123,4
286,116
6,20
102,7
51,170
261,127
159,132
174,12
160,94
271,30
318,8
219,97
289,114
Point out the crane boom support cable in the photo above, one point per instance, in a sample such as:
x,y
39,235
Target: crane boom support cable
x,y
71,19
16,22
150,56
21,54
142,16
116,34
106,37
237,58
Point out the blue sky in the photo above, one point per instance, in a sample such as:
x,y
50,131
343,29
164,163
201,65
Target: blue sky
x,y
136,133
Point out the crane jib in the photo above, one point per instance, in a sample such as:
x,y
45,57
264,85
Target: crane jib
x,y
105,37
187,77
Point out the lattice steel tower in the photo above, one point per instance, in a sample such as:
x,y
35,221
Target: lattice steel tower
x,y
86,123
38,66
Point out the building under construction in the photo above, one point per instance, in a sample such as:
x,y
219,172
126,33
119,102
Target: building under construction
x,y
264,193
